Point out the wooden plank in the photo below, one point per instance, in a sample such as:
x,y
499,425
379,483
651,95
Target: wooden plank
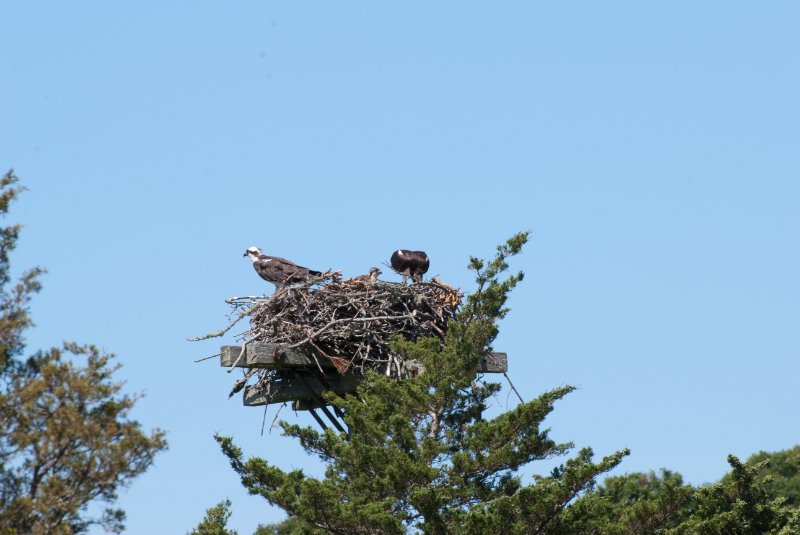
x,y
291,389
493,363
273,356
305,404
267,356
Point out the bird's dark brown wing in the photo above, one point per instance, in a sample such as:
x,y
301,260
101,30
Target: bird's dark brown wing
x,y
268,270
426,263
288,271
401,264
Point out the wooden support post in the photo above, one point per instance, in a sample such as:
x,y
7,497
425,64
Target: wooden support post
x,y
321,401
318,419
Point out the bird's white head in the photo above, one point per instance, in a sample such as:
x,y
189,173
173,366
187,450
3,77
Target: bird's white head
x,y
253,253
373,274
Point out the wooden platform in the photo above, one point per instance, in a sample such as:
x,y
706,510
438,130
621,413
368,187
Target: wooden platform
x,y
298,376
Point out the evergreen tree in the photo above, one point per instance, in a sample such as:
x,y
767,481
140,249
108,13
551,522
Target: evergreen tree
x,y
290,526
632,504
65,437
215,521
742,502
740,505
751,499
783,469
421,455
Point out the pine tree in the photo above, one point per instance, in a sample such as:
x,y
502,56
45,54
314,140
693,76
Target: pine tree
x,y
215,521
65,437
289,526
783,469
644,504
740,505
422,455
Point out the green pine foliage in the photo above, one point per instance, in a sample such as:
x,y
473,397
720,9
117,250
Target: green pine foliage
x,y
421,455
66,439
650,503
740,505
632,504
290,526
15,298
742,502
783,469
216,521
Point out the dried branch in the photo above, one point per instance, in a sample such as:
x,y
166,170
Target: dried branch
x,y
226,329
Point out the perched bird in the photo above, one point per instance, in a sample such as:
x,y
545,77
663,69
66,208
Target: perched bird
x,y
277,270
410,264
372,276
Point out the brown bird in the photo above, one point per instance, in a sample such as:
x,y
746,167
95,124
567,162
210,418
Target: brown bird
x,y
372,276
277,270
412,264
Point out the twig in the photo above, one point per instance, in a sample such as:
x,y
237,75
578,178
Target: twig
x,y
345,320
315,357
272,424
226,329
245,299
241,354
208,357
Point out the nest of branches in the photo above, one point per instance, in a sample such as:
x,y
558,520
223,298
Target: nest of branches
x,y
350,322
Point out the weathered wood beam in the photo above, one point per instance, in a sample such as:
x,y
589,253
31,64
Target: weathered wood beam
x,y
493,363
293,388
274,356
305,404
306,389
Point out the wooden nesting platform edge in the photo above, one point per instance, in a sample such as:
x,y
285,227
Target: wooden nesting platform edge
x,y
300,379
305,388
274,356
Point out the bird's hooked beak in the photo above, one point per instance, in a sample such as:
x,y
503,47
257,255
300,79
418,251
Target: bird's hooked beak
x,y
245,253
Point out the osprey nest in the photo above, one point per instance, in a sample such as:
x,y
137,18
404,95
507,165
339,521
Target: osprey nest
x,y
349,322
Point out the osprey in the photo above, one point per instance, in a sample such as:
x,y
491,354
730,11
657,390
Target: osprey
x,y
410,264
372,276
277,270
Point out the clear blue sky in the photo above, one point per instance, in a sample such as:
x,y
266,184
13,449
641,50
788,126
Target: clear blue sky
x,y
652,148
